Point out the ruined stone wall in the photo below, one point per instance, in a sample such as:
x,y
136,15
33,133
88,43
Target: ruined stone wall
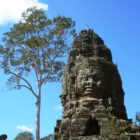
x,y
92,95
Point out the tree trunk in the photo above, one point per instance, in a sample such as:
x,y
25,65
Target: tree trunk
x,y
38,107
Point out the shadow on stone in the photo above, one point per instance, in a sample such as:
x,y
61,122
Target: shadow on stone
x,y
92,127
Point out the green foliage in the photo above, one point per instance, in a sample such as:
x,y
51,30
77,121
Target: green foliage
x,y
29,136
49,137
137,118
24,136
37,44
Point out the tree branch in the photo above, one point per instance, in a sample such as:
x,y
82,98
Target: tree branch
x,y
28,89
29,85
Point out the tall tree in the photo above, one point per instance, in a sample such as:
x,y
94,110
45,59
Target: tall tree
x,y
36,45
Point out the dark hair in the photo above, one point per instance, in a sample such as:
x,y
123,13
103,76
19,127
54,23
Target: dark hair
x,y
3,136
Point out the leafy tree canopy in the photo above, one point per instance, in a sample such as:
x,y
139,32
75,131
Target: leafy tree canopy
x,y
24,136
137,118
36,43
49,137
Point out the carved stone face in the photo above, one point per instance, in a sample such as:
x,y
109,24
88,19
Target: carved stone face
x,y
88,81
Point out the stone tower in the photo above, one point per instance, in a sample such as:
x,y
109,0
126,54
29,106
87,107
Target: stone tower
x,y
92,95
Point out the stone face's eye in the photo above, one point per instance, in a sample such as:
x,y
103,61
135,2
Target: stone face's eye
x,y
84,78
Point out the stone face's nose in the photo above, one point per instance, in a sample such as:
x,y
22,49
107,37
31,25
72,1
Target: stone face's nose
x,y
90,82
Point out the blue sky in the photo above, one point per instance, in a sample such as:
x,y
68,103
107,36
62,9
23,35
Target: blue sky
x,y
117,22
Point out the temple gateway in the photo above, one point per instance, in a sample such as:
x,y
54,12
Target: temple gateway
x,y
92,95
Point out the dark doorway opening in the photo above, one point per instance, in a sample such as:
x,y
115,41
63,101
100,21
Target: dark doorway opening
x,y
92,127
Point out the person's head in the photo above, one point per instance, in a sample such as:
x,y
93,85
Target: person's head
x,y
3,137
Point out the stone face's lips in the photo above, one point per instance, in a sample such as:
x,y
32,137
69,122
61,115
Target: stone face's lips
x,y
88,89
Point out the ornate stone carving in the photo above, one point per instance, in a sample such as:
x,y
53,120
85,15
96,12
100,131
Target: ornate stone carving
x,y
92,95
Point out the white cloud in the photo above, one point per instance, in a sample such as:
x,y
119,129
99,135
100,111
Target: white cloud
x,y
11,10
58,107
25,128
